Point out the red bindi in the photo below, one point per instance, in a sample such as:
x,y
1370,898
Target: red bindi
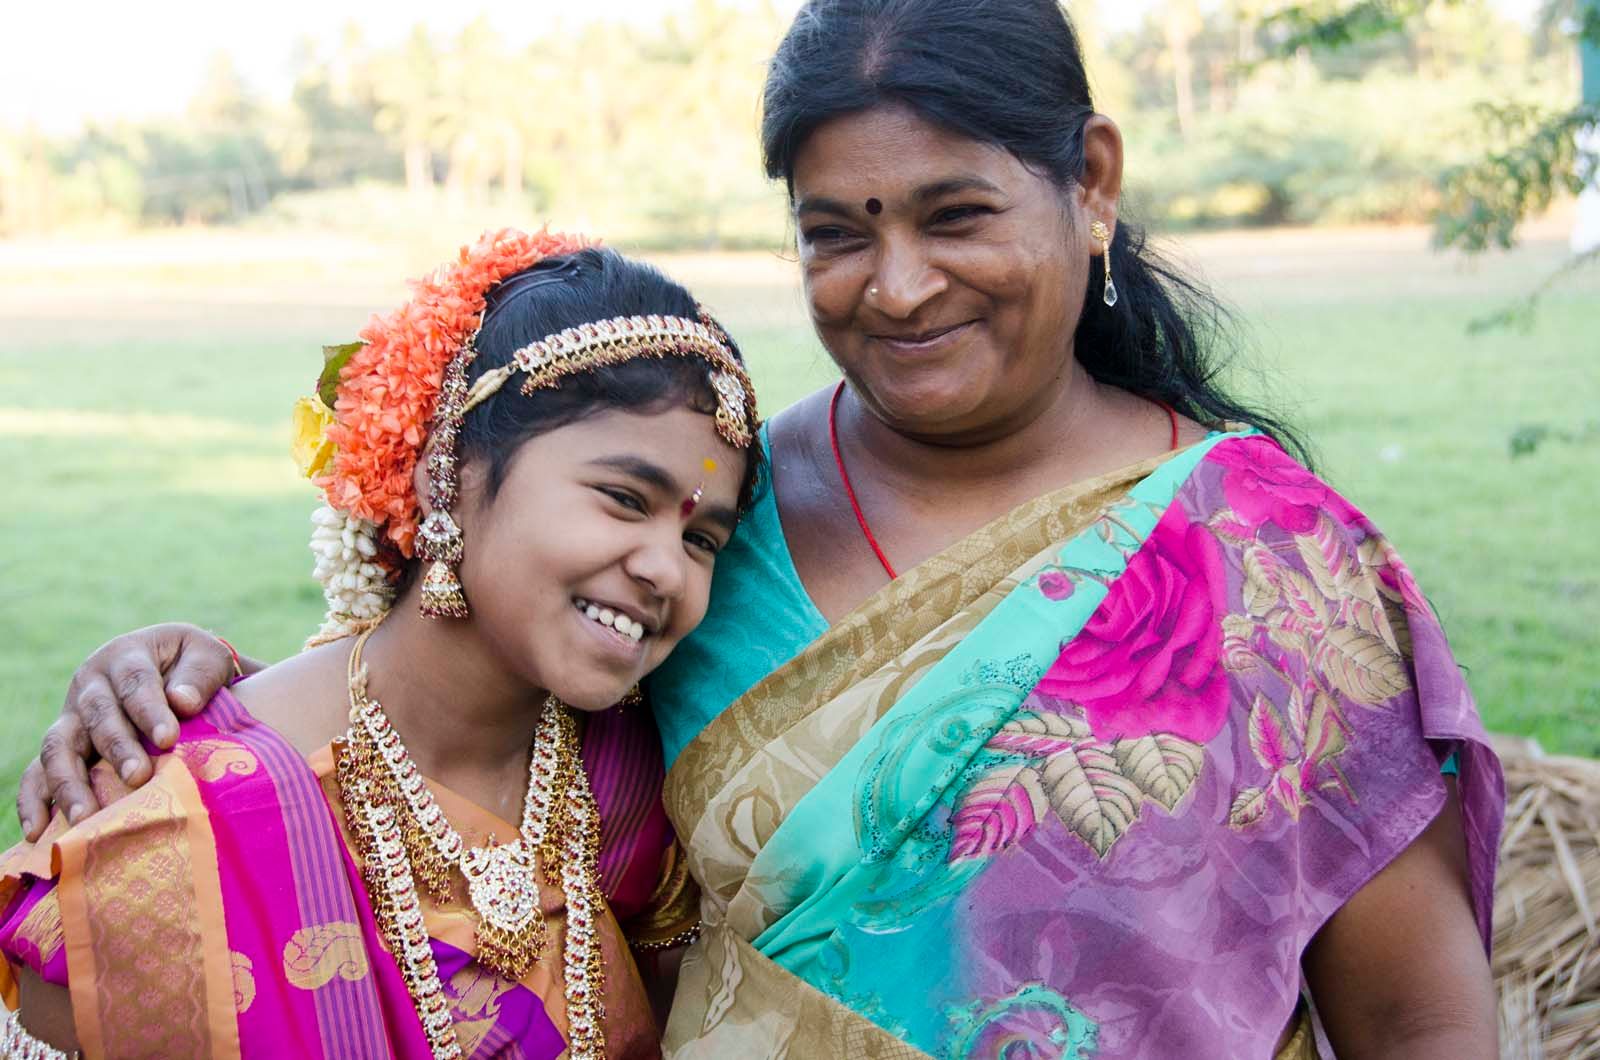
x,y
874,207
693,500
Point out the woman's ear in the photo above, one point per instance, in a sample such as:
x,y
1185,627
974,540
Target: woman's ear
x,y
1100,187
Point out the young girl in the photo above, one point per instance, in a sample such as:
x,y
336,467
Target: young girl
x,y
432,833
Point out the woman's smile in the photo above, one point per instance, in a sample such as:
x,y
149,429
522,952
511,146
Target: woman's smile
x,y
923,343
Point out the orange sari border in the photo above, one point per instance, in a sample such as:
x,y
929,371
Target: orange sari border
x,y
158,840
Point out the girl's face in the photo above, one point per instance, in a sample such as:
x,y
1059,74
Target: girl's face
x,y
599,517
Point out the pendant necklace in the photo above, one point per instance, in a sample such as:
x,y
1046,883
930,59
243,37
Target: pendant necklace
x,y
405,839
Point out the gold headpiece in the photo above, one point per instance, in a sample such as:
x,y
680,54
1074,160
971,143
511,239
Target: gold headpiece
x,y
604,343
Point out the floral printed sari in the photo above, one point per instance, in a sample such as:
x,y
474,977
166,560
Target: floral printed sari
x,y
1085,785
218,912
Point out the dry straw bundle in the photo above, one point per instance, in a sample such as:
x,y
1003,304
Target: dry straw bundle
x,y
1546,939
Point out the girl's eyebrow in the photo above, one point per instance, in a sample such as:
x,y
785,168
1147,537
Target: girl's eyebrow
x,y
658,477
720,514
651,474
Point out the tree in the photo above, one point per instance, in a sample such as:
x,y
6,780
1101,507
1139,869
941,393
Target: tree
x,y
407,86
1539,152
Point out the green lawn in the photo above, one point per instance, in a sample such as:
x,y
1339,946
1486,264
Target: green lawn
x,y
144,411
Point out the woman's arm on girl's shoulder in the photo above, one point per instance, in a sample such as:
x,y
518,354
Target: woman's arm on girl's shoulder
x,y
1400,971
138,683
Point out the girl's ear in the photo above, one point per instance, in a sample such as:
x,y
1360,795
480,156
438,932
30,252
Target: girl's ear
x,y
420,482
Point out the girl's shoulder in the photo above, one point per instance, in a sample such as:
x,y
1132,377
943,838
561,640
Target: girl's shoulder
x,y
303,698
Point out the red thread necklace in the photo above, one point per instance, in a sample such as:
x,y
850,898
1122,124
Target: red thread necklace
x,y
849,490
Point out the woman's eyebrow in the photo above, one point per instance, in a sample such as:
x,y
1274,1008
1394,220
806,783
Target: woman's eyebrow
x,y
822,204
953,186
651,474
925,193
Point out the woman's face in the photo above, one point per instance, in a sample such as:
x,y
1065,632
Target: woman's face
x,y
944,276
600,517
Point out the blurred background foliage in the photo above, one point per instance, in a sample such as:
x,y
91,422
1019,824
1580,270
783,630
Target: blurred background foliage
x,y
1237,113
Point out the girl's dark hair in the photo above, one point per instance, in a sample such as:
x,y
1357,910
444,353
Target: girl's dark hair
x,y
563,292
1009,73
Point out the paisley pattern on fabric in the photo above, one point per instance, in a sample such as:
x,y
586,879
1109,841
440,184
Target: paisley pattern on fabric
x,y
212,760
313,956
244,982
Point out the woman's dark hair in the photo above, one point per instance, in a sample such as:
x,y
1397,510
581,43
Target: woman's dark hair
x,y
1008,73
564,292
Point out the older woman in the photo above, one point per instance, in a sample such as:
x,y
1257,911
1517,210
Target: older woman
x,y
1045,705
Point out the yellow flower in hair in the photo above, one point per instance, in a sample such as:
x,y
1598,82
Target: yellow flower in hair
x,y
309,442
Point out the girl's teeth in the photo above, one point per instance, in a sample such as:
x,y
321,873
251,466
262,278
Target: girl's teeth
x,y
614,619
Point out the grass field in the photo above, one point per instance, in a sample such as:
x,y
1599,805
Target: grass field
x,y
145,389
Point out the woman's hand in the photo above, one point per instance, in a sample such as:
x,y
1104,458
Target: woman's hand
x,y
1400,970
140,682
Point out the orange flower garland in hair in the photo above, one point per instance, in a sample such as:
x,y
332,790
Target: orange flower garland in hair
x,y
389,388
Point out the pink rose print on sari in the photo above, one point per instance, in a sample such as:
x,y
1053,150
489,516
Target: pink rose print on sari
x,y
1056,585
1263,484
1149,660
1122,716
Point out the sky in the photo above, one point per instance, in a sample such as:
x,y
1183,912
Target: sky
x,y
65,63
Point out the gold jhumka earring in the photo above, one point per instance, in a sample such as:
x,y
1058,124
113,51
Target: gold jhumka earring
x,y
1101,233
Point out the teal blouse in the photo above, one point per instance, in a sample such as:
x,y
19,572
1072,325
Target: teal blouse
x,y
759,618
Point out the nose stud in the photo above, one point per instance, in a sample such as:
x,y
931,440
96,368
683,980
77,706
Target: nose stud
x,y
872,292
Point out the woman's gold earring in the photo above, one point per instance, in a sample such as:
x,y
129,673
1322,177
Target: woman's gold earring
x,y
1101,232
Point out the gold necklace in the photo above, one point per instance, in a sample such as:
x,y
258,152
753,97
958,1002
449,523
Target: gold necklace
x,y
403,833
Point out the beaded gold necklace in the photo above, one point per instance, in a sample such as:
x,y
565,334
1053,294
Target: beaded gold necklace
x,y
403,834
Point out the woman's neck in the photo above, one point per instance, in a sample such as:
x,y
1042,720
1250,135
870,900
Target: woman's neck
x,y
464,719
1060,438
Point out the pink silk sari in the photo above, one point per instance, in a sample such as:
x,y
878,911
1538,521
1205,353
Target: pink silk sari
x,y
218,911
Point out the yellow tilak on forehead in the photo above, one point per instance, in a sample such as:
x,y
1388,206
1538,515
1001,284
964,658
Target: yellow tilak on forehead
x,y
605,343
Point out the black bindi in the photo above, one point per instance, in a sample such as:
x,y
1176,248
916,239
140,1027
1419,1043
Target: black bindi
x,y
874,207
